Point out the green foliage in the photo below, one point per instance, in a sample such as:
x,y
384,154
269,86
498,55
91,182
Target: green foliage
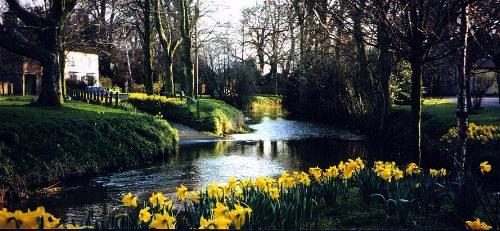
x,y
40,146
267,102
105,81
400,84
215,115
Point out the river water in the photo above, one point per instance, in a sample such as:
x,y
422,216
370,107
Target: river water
x,y
276,145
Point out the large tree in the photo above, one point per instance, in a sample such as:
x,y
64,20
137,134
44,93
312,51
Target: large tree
x,y
415,28
185,26
168,42
41,39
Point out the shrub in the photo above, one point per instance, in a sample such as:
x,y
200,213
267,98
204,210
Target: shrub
x,y
215,116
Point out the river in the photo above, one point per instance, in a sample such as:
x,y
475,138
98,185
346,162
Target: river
x,y
276,145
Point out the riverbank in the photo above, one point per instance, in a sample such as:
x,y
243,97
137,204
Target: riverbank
x,y
214,116
266,102
41,146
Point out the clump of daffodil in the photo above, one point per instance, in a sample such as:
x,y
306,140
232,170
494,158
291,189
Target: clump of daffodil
x,y
214,191
247,183
286,181
413,169
485,167
182,192
129,200
303,178
331,172
157,199
144,215
435,173
37,219
316,172
194,197
163,221
387,171
349,168
477,225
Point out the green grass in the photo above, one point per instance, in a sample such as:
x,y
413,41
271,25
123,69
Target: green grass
x,y
439,115
352,213
216,116
41,146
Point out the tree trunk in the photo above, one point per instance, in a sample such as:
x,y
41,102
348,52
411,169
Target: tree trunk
x,y
468,88
168,82
148,49
498,87
51,94
460,154
416,110
186,44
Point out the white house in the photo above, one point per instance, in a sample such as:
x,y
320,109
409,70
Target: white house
x,y
82,67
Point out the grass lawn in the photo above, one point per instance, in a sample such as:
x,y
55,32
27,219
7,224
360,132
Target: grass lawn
x,y
439,115
41,146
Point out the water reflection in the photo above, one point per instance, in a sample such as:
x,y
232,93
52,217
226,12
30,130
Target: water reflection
x,y
196,165
275,146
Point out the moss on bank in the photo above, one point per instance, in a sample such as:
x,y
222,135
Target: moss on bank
x,y
41,146
216,116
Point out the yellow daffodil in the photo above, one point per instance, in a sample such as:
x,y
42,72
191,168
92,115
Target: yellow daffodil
x,y
222,222
214,191
397,173
412,169
157,199
232,183
332,172
316,172
182,192
220,210
7,220
304,179
261,183
238,216
162,221
194,197
144,215
206,224
433,172
477,225
129,200
485,167
274,193
442,172
247,183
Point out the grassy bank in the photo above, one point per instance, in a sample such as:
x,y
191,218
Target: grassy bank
x,y
41,146
268,102
215,116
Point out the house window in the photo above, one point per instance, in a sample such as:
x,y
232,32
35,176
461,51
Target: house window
x,y
90,79
73,76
